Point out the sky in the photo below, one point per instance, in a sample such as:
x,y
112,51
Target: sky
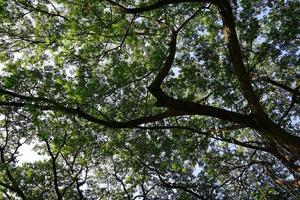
x,y
27,154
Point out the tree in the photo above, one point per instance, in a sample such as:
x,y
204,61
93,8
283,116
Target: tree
x,y
181,99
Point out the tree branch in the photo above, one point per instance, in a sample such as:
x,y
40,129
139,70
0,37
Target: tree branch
x,y
190,107
48,104
280,85
115,174
54,169
176,108
28,4
171,185
270,130
293,101
211,133
158,4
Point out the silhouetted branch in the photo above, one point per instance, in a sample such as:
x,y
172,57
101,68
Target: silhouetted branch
x,y
158,4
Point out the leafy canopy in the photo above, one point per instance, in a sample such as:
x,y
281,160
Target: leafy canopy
x,y
182,99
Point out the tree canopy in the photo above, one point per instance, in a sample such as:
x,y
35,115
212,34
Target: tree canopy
x,y
153,99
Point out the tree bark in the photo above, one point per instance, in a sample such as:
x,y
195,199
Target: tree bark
x,y
269,130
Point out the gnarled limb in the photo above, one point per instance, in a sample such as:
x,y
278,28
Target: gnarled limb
x,y
180,108
270,130
191,108
47,104
153,6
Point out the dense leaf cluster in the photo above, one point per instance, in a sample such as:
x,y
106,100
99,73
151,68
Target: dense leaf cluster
x,y
182,99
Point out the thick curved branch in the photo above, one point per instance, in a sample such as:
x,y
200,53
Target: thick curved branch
x,y
191,108
43,103
158,4
177,107
271,131
164,71
235,52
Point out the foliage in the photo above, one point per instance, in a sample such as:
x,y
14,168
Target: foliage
x,y
150,99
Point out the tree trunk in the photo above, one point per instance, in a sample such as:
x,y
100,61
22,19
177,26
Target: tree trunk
x,y
269,130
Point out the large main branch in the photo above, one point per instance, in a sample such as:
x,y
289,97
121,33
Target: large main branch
x,y
153,6
270,130
182,108
43,103
190,107
259,120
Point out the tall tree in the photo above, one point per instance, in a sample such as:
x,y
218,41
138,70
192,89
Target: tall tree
x,y
172,99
